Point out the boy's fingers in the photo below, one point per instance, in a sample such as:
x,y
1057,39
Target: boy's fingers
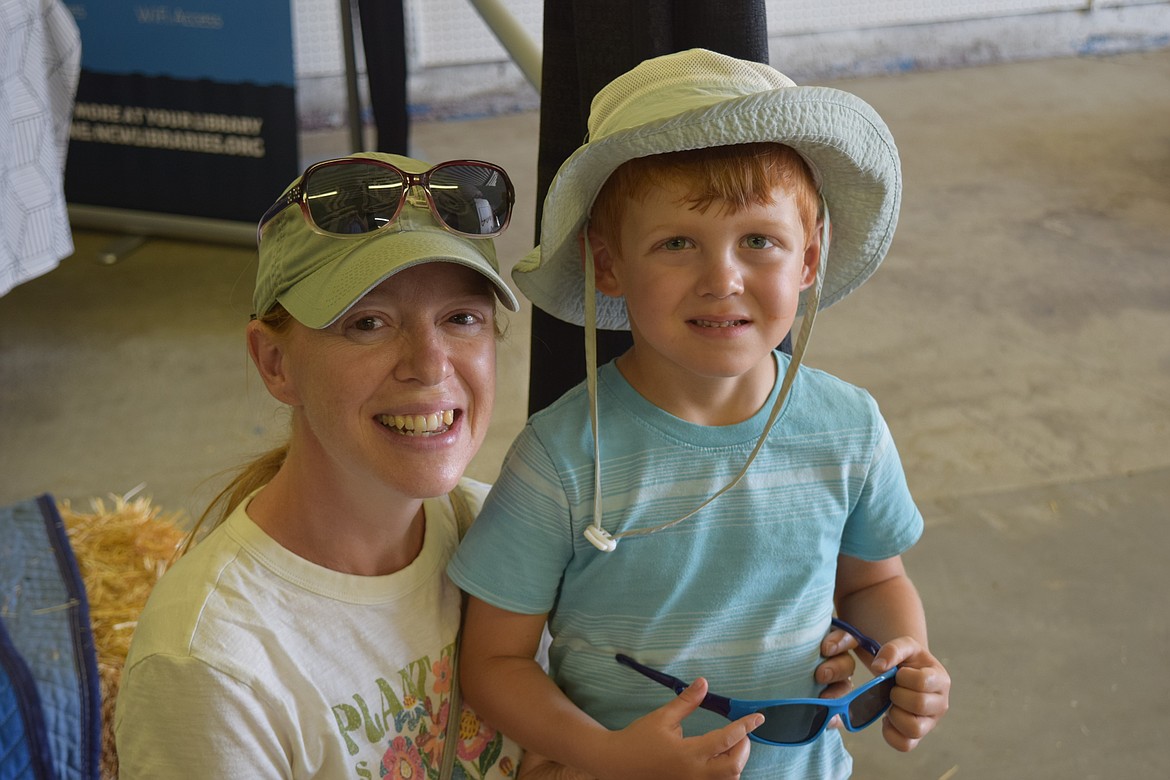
x,y
916,702
908,653
736,757
837,690
926,681
897,739
912,727
688,701
894,652
731,740
838,668
721,740
837,642
903,651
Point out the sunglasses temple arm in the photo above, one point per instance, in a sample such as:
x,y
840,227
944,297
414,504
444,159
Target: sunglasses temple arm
x,y
720,705
280,205
868,645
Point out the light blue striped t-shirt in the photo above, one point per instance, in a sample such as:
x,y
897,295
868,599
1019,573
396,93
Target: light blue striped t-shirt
x,y
741,593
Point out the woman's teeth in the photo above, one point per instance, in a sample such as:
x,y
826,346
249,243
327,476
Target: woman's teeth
x,y
419,424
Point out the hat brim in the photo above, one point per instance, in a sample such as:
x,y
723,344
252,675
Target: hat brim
x,y
319,299
845,141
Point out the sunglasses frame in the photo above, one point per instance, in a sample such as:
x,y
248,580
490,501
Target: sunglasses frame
x,y
299,195
733,709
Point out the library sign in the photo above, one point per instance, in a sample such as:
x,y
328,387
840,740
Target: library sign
x,y
185,110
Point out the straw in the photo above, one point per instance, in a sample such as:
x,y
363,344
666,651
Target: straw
x,y
121,551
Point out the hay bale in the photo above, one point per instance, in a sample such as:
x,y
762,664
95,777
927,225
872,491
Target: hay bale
x,y
121,552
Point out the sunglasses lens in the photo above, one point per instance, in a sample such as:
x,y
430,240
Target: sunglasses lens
x,y
352,198
791,724
470,198
870,705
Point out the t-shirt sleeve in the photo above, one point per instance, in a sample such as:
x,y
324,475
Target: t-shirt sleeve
x,y
178,717
884,521
517,549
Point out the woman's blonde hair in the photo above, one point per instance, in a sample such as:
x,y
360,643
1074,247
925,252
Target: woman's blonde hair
x,y
253,475
733,176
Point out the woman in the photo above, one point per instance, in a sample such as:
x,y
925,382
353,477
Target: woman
x,y
312,632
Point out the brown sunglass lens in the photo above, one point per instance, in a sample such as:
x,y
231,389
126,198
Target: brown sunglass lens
x,y
350,199
471,199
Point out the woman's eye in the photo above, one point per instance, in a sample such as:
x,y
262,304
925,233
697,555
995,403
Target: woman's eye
x,y
465,318
758,242
367,323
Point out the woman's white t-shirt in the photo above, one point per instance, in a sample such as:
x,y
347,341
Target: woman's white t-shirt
x,y
250,661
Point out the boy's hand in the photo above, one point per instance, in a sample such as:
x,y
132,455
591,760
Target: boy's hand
x,y
922,694
654,746
836,671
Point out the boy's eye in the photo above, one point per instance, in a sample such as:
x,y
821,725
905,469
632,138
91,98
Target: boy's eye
x,y
758,242
678,242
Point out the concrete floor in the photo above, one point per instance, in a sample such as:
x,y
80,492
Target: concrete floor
x,y
1017,337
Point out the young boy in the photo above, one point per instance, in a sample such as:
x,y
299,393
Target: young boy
x,y
750,498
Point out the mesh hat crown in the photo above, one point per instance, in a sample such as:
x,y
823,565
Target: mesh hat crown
x,y
317,277
697,99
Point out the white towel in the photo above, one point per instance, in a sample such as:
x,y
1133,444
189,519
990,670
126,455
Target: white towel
x,y
40,62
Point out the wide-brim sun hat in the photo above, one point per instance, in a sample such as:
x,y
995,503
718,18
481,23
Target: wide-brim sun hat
x,y
697,99
318,277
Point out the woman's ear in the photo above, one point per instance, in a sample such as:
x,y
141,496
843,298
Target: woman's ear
x,y
603,262
267,349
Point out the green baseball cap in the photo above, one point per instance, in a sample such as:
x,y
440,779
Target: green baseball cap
x,y
318,277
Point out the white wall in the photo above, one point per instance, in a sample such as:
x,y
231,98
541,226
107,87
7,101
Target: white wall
x,y
459,67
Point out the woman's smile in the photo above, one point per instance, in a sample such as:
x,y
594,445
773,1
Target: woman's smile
x,y
419,424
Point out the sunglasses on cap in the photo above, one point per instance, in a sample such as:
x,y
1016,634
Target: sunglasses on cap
x,y
353,196
794,722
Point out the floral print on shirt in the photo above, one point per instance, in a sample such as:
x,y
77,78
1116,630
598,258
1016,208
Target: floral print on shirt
x,y
414,717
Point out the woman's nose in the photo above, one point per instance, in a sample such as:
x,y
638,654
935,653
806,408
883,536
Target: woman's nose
x,y
425,357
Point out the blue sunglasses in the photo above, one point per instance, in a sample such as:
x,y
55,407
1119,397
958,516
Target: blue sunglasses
x,y
796,721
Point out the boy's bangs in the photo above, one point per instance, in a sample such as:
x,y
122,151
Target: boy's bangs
x,y
734,177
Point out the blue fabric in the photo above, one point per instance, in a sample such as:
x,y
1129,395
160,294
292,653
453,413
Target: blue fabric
x,y
50,692
21,726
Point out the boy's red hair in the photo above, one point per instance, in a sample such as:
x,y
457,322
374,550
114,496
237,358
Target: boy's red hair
x,y
732,176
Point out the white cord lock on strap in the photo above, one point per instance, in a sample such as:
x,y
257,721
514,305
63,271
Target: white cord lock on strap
x,y
600,538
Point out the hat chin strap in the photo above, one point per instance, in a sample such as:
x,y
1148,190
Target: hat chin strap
x,y
596,534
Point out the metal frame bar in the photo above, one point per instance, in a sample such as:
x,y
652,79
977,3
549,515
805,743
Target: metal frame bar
x,y
519,45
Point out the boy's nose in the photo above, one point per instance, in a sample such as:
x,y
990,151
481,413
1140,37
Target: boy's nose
x,y
721,276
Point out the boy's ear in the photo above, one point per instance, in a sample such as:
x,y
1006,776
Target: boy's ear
x,y
267,350
812,258
603,260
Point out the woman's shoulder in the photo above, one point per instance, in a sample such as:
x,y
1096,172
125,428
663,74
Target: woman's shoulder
x,y
222,574
473,490
466,501
172,613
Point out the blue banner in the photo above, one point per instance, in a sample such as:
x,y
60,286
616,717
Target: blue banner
x,y
232,41
186,110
